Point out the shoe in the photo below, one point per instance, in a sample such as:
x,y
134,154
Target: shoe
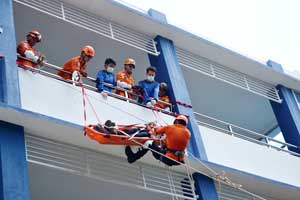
x,y
129,154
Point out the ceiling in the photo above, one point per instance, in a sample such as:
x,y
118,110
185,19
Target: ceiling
x,y
62,40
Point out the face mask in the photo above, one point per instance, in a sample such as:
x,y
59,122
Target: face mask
x,y
110,69
150,78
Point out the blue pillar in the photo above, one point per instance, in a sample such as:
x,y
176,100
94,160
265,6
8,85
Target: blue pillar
x,y
205,187
13,164
9,79
287,113
169,71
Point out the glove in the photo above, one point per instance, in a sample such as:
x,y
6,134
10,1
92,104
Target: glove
x,y
153,102
124,85
76,76
84,74
42,60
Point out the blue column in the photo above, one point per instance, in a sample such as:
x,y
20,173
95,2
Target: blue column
x,y
287,113
170,72
9,79
205,187
13,164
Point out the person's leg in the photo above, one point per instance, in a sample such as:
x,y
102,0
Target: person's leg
x,y
132,157
157,155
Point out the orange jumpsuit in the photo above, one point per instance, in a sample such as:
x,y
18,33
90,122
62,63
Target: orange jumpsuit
x,y
124,77
161,105
72,65
22,47
177,138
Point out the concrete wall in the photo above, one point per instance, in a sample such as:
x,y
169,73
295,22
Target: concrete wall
x,y
61,100
250,157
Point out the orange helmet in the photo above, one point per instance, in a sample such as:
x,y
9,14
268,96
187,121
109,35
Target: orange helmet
x,y
88,50
183,118
129,61
35,34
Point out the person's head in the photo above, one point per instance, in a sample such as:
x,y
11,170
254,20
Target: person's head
x,y
150,73
87,53
181,119
109,65
163,88
129,65
33,37
110,126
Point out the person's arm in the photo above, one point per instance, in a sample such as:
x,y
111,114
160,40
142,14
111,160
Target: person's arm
x,y
155,93
121,82
160,130
100,81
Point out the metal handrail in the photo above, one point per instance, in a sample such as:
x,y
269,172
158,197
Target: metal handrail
x,y
231,131
106,84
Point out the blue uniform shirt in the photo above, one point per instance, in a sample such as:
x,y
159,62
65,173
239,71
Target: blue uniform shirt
x,y
105,77
150,89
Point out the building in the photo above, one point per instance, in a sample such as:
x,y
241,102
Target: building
x,y
238,107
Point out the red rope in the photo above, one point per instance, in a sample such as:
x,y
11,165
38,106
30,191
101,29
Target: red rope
x,y
182,104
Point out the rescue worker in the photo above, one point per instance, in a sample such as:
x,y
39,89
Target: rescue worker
x,y
124,77
31,57
162,96
177,138
76,66
150,87
106,76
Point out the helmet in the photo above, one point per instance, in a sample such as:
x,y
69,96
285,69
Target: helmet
x,y
163,86
129,61
35,34
88,50
183,118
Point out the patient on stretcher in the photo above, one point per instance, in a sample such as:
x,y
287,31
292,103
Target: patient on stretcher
x,y
110,127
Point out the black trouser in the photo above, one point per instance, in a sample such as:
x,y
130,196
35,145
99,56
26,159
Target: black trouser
x,y
132,157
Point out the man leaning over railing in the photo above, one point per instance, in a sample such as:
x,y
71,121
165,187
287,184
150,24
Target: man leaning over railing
x,y
76,66
28,57
125,79
163,98
106,76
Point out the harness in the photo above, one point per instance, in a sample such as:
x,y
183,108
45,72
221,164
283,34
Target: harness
x,y
177,153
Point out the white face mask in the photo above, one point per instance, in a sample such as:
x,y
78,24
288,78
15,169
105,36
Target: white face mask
x,y
150,78
110,69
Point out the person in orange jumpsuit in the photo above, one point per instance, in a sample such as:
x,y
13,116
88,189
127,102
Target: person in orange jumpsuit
x,y
177,138
27,55
76,66
124,77
162,96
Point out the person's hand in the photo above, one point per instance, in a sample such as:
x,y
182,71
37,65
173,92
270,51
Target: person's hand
x,y
104,95
153,102
84,74
42,60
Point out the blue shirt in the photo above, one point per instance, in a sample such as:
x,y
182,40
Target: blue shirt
x,y
105,77
150,89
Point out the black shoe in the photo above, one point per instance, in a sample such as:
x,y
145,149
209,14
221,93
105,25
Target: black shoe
x,y
129,154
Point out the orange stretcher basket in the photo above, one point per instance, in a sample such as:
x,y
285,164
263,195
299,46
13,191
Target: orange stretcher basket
x,y
104,138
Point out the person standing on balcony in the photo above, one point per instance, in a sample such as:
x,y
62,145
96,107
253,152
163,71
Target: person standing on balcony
x,y
150,87
173,149
162,96
27,55
76,66
106,76
124,77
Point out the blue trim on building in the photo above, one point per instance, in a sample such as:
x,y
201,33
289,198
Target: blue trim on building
x,y
205,187
170,72
287,113
8,70
14,170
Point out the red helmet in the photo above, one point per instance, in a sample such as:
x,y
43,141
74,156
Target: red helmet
x,y
183,118
35,34
88,50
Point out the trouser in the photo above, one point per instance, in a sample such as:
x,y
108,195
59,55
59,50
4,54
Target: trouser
x,y
132,157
